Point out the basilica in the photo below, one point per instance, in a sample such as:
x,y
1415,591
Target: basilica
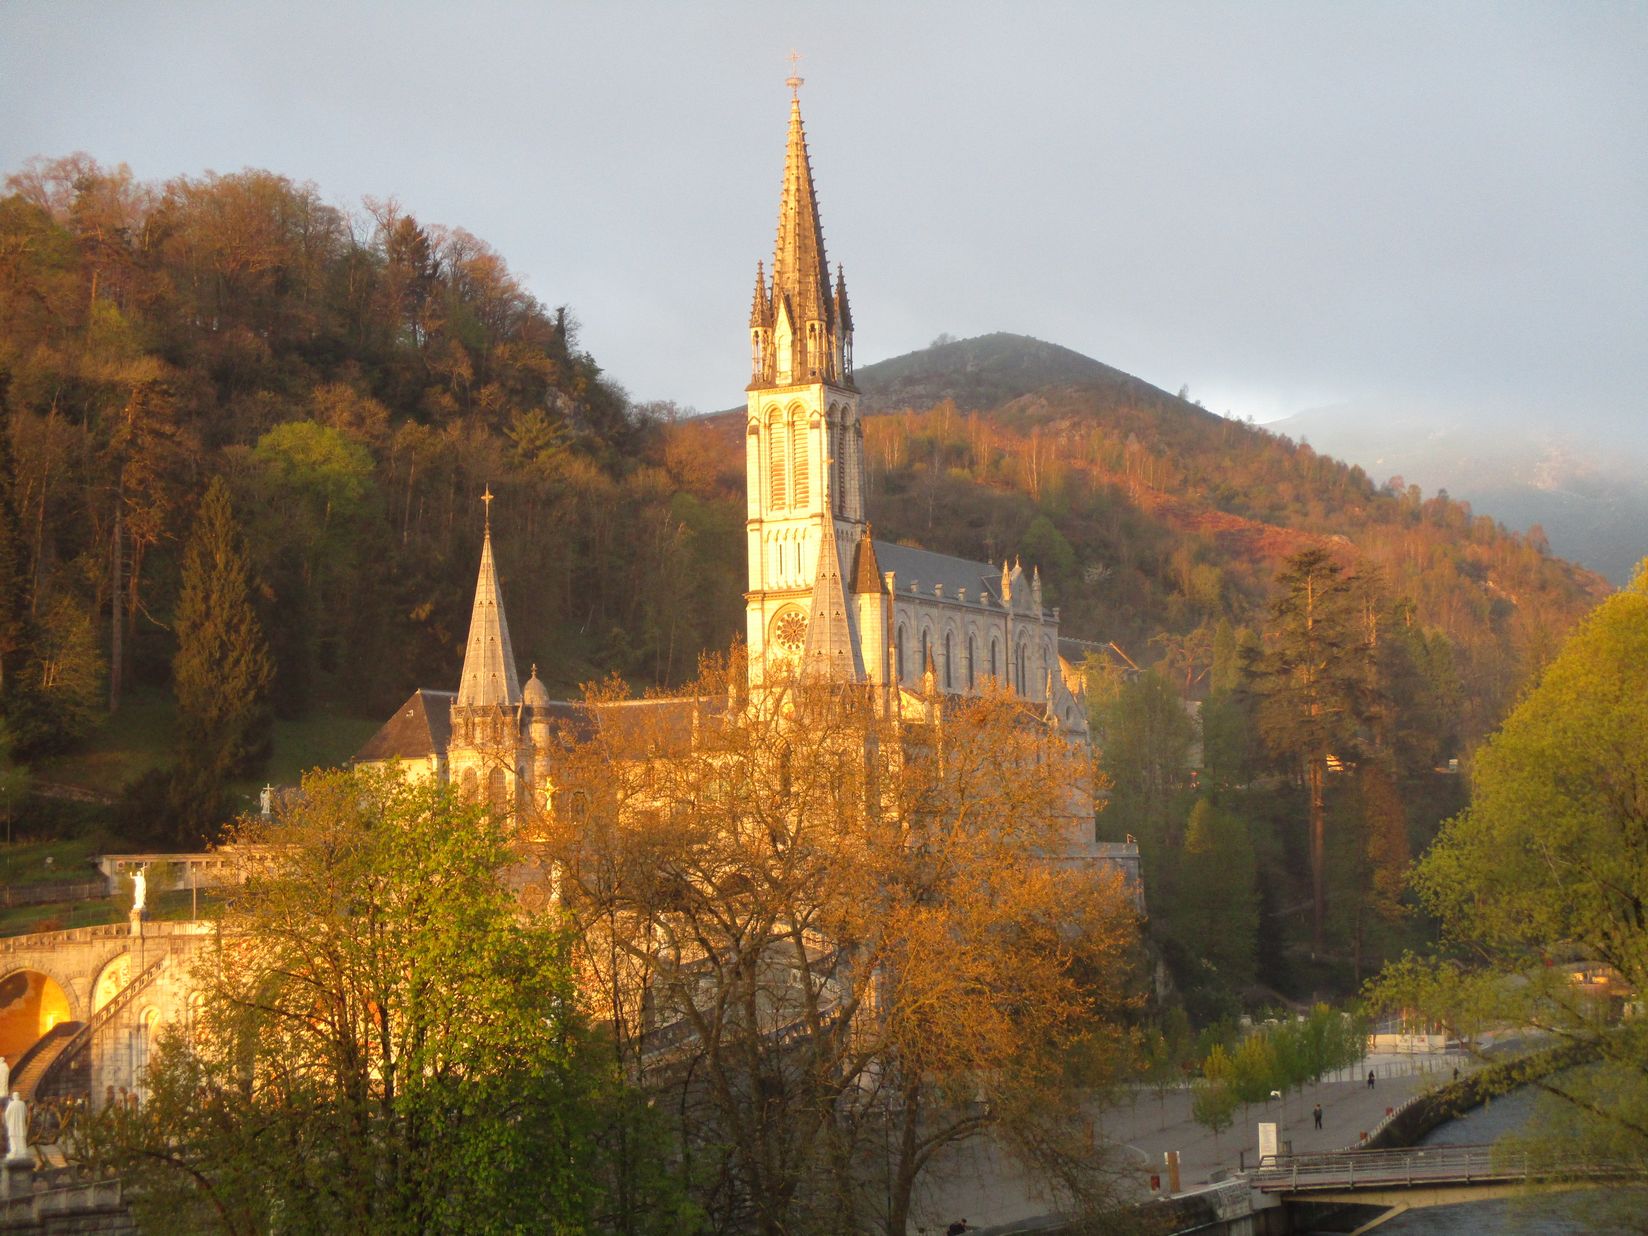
x,y
824,597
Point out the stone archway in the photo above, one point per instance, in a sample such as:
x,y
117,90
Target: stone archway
x,y
31,1003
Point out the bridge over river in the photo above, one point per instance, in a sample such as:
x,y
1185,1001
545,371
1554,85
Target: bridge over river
x,y
1393,1182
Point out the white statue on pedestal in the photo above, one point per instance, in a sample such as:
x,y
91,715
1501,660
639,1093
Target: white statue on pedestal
x,y
17,1129
266,800
140,891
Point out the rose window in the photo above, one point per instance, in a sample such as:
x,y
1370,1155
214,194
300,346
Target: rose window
x,y
790,630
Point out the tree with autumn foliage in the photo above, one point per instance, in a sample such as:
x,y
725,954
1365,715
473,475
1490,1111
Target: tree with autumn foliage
x,y
841,939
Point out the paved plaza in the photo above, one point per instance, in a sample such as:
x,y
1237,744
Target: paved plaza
x,y
978,1183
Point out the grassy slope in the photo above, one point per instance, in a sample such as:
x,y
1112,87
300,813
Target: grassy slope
x,y
140,737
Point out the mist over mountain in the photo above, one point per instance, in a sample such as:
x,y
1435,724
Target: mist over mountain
x,y
1586,490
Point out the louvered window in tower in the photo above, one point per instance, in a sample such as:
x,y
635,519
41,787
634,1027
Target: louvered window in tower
x,y
777,450
798,463
841,470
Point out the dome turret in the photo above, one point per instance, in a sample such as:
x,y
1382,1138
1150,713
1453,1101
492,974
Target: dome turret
x,y
534,694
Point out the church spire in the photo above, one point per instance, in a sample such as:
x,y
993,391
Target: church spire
x,y
489,675
831,648
801,273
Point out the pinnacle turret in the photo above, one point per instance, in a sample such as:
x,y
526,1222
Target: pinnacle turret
x,y
761,306
843,313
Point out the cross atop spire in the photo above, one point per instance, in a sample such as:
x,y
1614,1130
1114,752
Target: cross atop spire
x,y
795,81
486,499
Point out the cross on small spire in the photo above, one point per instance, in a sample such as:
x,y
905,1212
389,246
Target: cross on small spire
x,y
486,497
795,80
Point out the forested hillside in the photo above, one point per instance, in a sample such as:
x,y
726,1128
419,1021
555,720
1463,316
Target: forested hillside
x,y
1317,647
359,379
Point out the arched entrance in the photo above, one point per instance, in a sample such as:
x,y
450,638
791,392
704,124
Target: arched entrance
x,y
31,1003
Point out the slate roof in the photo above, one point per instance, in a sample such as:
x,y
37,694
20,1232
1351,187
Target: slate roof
x,y
923,566
419,729
422,727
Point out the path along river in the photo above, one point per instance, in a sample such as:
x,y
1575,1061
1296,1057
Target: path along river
x,y
1550,1214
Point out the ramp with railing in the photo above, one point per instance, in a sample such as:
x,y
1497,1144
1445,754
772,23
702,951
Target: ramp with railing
x,y
1417,1167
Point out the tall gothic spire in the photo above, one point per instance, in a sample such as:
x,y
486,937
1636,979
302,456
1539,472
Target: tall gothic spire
x,y
801,273
489,675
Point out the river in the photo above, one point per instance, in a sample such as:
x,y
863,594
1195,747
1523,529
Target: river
x,y
1551,1214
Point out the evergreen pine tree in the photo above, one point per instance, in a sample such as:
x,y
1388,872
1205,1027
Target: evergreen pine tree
x,y
1218,906
222,671
1312,682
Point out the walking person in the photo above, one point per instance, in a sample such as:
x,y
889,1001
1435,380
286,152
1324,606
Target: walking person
x,y
1317,1114
1370,1079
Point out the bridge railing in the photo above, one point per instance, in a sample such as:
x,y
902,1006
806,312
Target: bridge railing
x,y
1416,1166
106,931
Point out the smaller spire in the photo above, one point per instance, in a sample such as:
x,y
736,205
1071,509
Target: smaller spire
x,y
489,676
1006,582
831,646
843,312
867,577
760,305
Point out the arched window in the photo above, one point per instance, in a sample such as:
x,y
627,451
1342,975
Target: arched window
x,y
497,791
799,440
898,653
926,648
947,660
994,671
469,785
777,449
971,648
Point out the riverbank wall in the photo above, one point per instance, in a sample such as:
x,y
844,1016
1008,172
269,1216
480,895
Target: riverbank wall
x,y
1424,1112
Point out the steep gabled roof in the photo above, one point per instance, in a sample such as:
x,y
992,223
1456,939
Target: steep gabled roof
x,y
420,728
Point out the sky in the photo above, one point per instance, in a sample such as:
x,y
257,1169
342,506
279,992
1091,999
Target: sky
x,y
1276,205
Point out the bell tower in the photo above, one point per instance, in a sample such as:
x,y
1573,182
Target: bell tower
x,y
804,444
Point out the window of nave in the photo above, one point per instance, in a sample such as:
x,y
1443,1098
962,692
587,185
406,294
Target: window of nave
x,y
972,643
898,650
947,660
